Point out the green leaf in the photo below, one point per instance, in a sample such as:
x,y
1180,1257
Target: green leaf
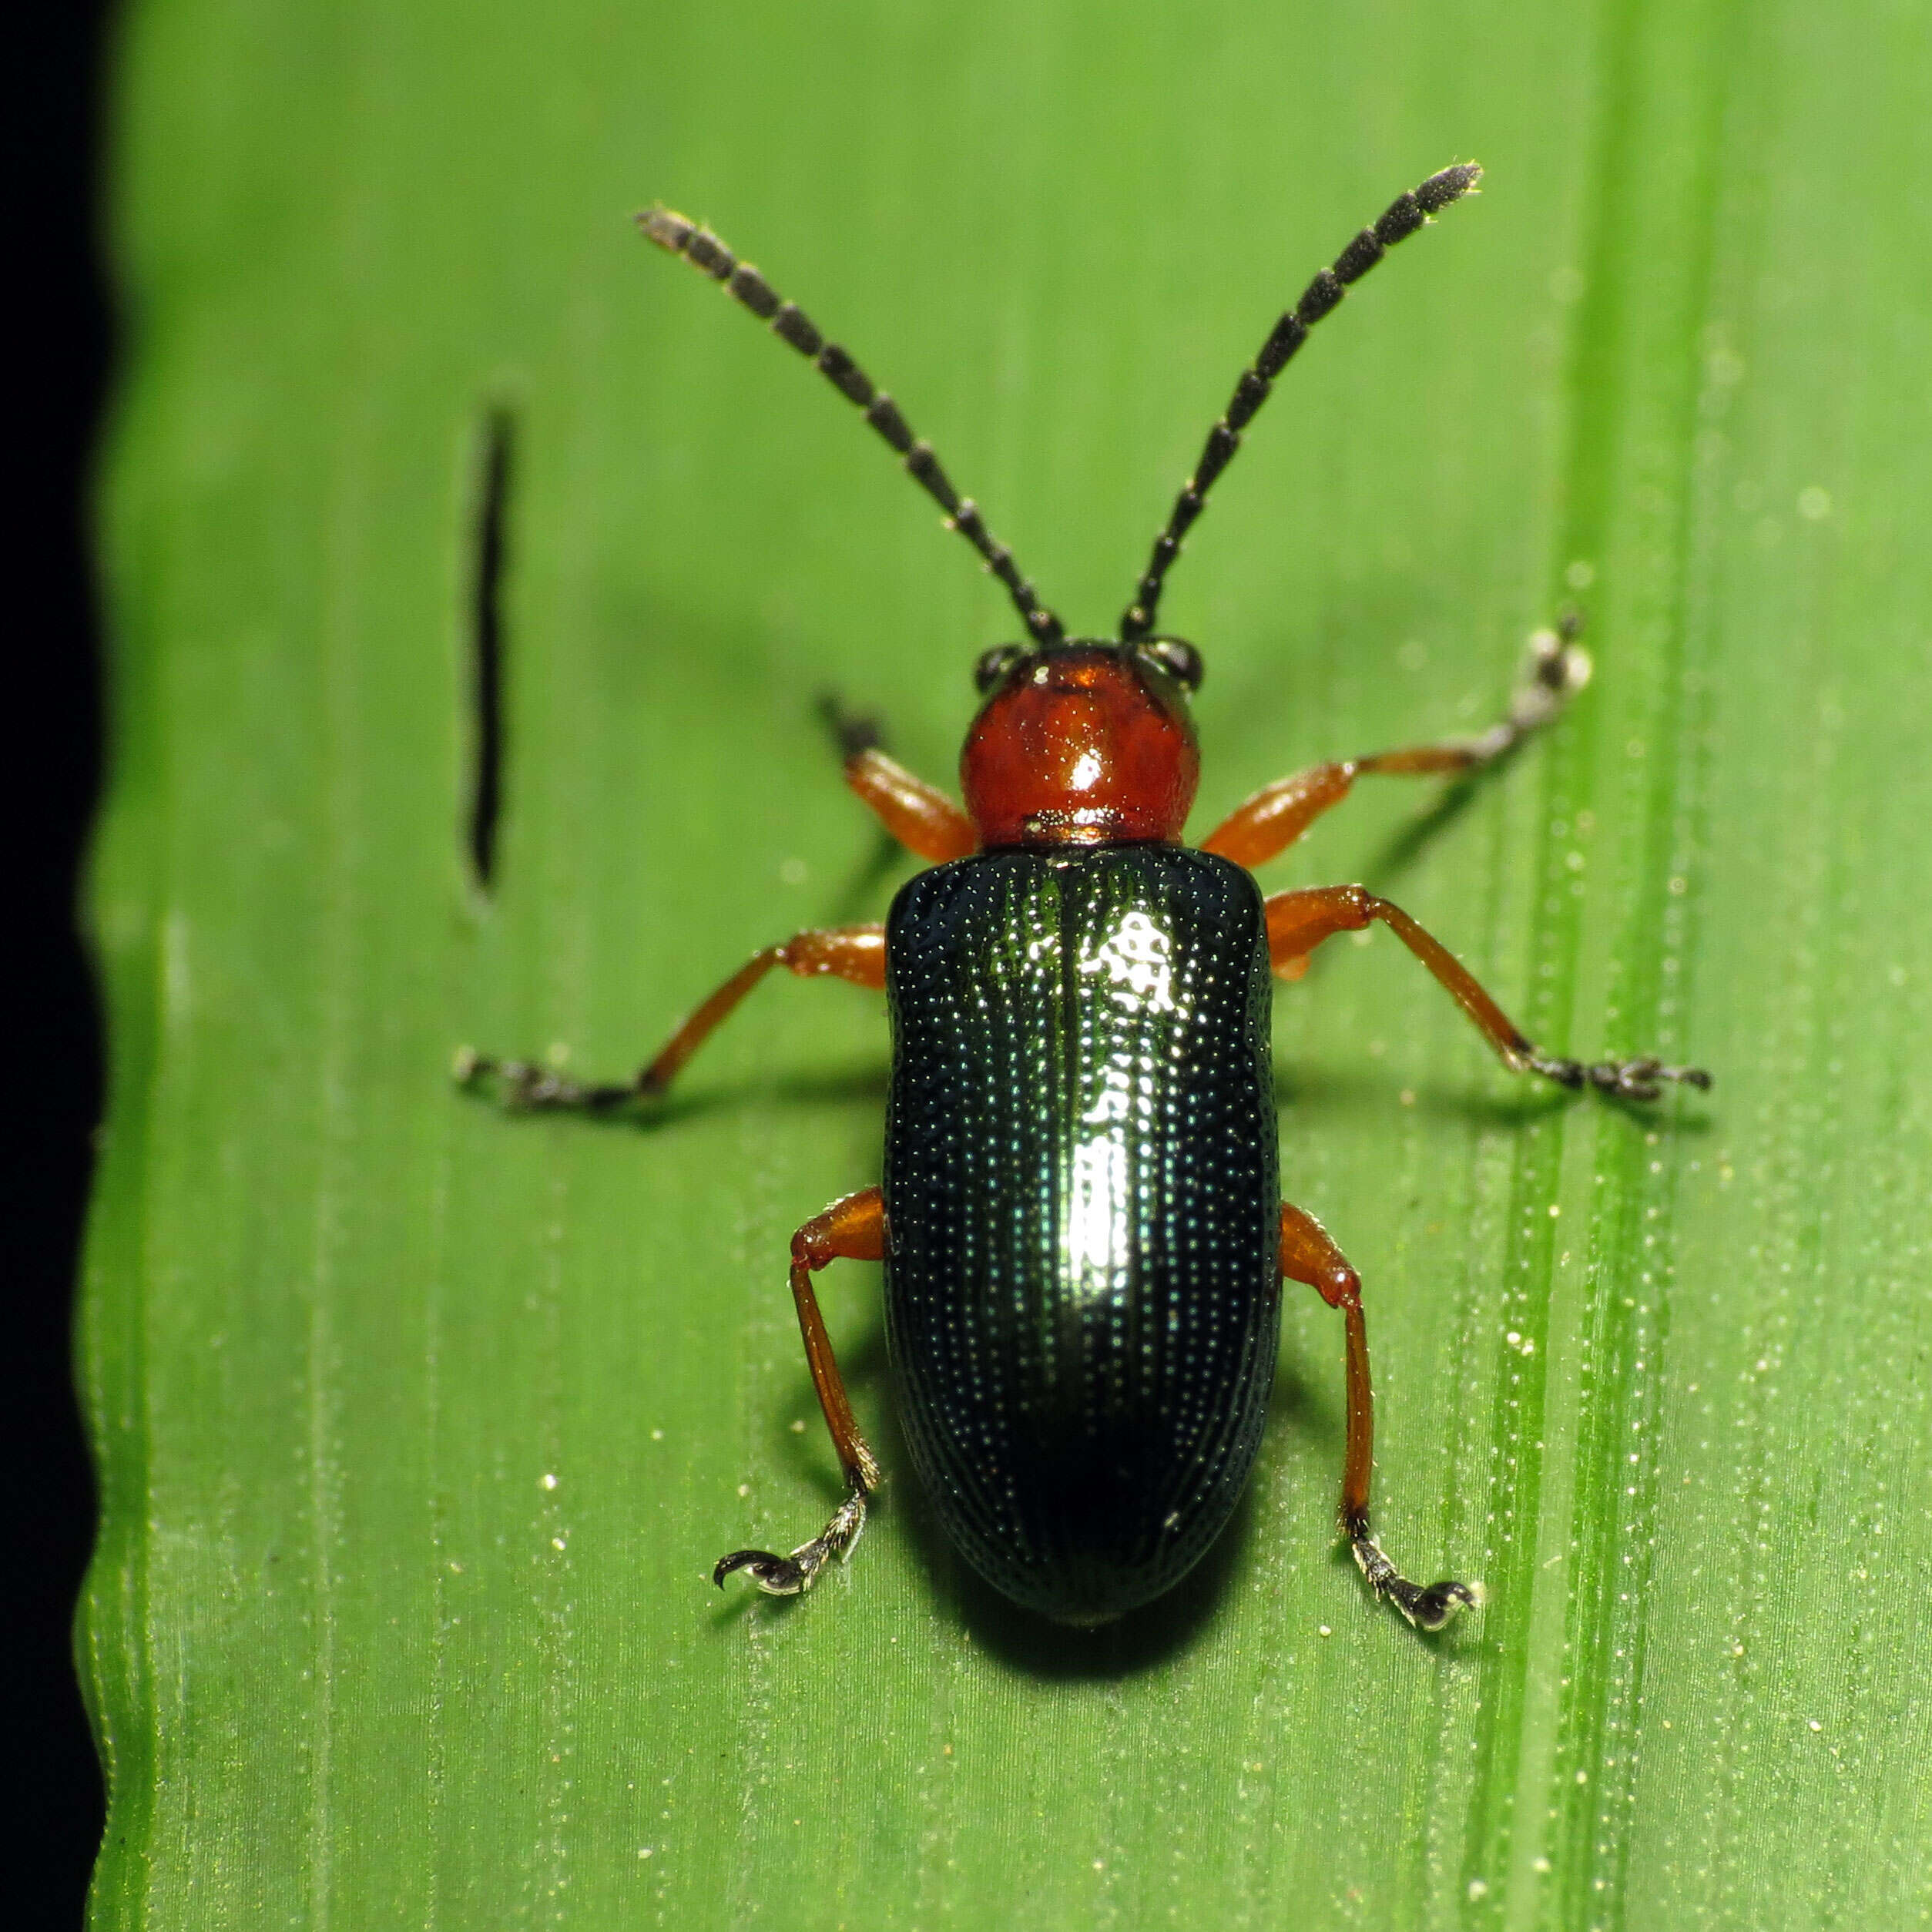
x,y
419,1426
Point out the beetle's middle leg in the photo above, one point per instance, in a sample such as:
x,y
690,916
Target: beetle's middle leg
x,y
852,953
1309,1256
1556,668
1298,922
853,1229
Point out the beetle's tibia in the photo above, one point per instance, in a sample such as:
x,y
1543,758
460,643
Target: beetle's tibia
x,y
1428,1608
792,1576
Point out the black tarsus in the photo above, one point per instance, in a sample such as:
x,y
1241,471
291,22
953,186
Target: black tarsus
x,y
780,1575
1427,1606
486,648
854,733
791,1575
1399,220
680,236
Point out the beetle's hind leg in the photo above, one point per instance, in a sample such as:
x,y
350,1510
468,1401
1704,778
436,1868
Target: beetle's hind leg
x,y
852,1229
1308,1255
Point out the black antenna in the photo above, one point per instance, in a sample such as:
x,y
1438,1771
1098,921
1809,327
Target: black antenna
x,y
1403,218
704,250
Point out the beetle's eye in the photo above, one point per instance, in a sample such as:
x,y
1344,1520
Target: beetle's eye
x,y
1178,658
995,664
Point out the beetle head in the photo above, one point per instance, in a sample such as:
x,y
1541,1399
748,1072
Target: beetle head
x,y
1084,743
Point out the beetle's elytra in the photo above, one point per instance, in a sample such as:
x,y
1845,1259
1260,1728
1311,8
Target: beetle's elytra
x,y
1083,1236
1097,1014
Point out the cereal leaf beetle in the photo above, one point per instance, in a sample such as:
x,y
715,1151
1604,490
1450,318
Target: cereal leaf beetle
x,y
1082,1232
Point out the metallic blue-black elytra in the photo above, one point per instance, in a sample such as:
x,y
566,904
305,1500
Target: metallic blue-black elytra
x,y
1081,1282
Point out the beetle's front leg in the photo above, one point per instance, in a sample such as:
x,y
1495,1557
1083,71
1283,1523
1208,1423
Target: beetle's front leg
x,y
920,815
852,1229
1298,922
1556,668
856,953
1309,1256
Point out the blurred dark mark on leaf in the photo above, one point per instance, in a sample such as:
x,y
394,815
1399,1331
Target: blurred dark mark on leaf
x,y
487,646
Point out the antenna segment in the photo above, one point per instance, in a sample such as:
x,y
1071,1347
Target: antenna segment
x,y
1401,220
791,324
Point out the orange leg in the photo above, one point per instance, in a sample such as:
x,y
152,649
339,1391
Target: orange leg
x,y
921,816
852,953
1309,1256
1278,814
1298,922
853,1229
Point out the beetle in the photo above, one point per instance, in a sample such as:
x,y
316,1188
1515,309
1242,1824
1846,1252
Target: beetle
x,y
1080,1219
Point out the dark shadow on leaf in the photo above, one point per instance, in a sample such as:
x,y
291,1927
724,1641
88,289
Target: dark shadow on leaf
x,y
1409,842
735,1605
1685,1118
1294,1405
860,896
837,1086
1325,1090
1024,1641
1143,1640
